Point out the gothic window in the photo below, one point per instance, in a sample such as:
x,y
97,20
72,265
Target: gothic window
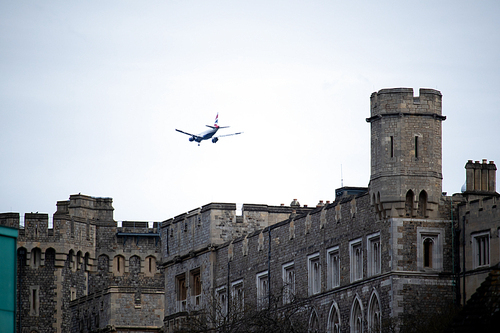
x,y
333,267
356,256
481,249
334,319
221,306
119,265
288,282
429,248
181,290
71,259
314,274
422,204
86,260
374,255
374,315
196,287
410,197
237,296
78,260
262,289
356,316
313,323
150,269
428,244
36,256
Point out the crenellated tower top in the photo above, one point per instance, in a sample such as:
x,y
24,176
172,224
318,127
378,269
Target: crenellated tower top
x,y
406,152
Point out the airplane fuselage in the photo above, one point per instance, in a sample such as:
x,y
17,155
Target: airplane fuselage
x,y
205,135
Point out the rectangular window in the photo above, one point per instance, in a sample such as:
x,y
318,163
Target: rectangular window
x,y
481,249
333,267
288,271
416,146
196,287
34,300
314,274
392,146
262,289
374,255
181,289
356,256
237,296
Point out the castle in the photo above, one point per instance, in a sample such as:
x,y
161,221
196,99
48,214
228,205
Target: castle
x,y
397,248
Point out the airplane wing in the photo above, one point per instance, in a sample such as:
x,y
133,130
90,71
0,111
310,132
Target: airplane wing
x,y
186,133
220,136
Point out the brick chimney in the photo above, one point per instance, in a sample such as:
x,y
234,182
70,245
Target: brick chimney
x,y
480,177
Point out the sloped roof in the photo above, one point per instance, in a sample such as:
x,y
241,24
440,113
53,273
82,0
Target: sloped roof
x,y
482,311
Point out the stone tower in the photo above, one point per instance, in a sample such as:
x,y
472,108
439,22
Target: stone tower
x,y
406,153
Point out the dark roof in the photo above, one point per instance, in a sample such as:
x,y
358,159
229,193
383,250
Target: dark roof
x,y
482,311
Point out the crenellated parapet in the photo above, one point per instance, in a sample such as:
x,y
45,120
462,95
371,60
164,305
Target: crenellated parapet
x,y
406,153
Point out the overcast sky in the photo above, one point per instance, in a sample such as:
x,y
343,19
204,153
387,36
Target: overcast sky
x,y
91,93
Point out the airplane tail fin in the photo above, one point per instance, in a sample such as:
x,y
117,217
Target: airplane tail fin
x,y
216,123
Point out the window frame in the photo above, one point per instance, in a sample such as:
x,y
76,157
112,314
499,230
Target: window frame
x,y
288,286
181,290
262,287
476,237
333,271
436,235
356,262
374,255
314,274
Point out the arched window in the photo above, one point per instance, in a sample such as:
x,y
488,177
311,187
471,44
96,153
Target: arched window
x,y
356,316
50,258
428,248
410,197
119,265
70,259
86,260
78,260
313,323
150,268
374,315
334,319
422,204
36,257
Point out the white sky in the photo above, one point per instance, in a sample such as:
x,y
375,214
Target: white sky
x,y
91,92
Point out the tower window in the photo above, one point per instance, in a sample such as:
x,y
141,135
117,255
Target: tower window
x,y
428,252
416,147
392,146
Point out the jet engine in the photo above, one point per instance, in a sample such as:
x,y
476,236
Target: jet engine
x,y
191,139
214,140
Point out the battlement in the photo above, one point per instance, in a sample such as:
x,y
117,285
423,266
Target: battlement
x,y
401,101
98,210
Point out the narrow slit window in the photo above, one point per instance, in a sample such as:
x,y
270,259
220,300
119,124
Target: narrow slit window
x,y
392,146
416,147
428,252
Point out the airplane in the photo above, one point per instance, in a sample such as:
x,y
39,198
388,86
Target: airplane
x,y
208,134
